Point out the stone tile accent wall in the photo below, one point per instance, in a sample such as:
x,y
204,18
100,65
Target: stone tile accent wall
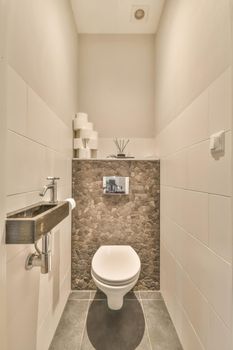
x,y
100,219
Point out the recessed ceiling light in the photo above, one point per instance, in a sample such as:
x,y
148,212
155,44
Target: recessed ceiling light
x,y
139,14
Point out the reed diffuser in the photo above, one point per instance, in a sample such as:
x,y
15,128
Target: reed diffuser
x,y
121,145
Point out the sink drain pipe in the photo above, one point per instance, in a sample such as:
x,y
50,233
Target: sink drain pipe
x,y
41,258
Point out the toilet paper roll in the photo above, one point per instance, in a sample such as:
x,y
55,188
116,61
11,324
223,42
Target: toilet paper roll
x,y
72,203
88,126
86,133
78,143
81,119
84,153
82,116
79,124
92,144
94,135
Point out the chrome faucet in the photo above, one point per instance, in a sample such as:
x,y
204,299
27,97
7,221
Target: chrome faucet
x,y
52,186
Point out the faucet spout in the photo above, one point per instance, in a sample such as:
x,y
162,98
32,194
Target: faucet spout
x,y
53,189
45,188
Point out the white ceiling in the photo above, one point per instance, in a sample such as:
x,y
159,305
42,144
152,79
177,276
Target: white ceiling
x,y
116,16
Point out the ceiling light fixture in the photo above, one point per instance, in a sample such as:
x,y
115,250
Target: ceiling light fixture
x,y
139,14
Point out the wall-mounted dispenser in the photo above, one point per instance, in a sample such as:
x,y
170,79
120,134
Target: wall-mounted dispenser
x,y
115,185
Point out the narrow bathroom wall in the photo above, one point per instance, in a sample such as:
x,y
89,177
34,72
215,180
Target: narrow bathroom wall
x,y
2,174
101,219
116,89
41,101
193,99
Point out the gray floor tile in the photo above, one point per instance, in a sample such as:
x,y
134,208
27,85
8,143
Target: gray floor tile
x,y
80,295
97,294
115,330
144,294
69,332
162,333
132,295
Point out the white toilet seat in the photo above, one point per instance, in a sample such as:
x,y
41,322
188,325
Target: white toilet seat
x,y
116,265
114,283
115,270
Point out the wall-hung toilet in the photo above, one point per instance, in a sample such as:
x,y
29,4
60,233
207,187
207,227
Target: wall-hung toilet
x,y
115,270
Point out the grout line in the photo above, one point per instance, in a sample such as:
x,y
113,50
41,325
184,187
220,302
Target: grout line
x,y
197,240
197,191
85,322
146,325
62,152
21,193
202,293
28,86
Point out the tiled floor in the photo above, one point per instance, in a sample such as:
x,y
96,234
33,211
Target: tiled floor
x,y
143,324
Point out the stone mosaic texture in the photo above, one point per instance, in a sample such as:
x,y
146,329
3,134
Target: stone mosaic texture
x,y
100,219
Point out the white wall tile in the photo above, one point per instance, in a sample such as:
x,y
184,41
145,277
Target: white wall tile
x,y
196,232
40,147
188,336
190,127
16,102
220,232
220,103
188,209
219,336
174,170
16,202
195,214
193,123
194,304
25,164
42,126
198,157
47,329
22,304
219,293
210,273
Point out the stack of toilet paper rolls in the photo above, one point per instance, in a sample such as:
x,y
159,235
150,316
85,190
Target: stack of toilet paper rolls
x,y
85,138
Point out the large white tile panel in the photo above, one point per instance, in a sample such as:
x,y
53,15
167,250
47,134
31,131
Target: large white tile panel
x,y
195,214
188,209
219,336
220,170
16,102
219,291
194,304
187,334
22,304
18,201
220,232
45,296
47,329
220,100
25,164
171,204
174,170
193,123
169,234
198,158
168,281
211,274
190,127
42,122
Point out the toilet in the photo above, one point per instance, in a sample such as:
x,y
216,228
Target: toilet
x,y
115,270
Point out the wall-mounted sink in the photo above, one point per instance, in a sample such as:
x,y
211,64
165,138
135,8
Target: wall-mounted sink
x,y
29,224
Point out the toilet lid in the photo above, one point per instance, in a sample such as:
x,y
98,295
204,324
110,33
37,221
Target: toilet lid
x,y
115,264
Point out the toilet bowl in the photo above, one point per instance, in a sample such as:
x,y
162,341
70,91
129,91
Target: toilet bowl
x,y
115,270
